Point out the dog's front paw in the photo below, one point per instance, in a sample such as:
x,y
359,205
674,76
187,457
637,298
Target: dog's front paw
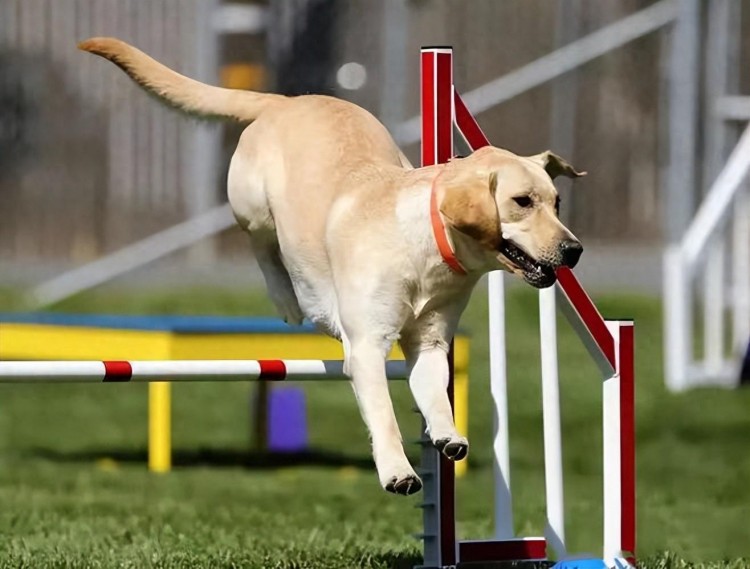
x,y
404,484
454,448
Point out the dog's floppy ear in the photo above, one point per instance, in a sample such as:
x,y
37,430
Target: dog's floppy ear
x,y
555,166
468,205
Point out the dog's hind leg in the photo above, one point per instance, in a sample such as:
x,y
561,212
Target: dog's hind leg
x,y
246,189
278,282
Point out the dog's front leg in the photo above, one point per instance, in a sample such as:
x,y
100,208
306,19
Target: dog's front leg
x,y
366,364
428,381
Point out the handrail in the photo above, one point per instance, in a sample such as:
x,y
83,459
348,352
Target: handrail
x,y
132,256
717,203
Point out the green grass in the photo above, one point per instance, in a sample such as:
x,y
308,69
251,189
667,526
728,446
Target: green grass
x,y
74,491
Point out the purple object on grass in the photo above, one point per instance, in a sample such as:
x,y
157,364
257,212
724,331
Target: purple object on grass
x,y
287,420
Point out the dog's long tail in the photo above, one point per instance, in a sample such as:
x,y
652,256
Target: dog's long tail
x,y
182,93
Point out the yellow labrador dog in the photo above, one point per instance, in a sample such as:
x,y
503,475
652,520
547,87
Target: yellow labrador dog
x,y
349,235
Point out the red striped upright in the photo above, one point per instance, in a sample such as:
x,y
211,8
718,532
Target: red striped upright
x,y
627,440
437,105
437,147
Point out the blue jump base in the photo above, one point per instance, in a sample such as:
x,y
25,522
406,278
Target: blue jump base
x,y
162,323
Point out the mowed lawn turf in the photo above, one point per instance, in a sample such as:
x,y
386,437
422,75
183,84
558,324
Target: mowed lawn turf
x,y
75,492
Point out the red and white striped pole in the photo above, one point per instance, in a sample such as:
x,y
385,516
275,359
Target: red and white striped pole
x,y
437,105
178,370
437,147
611,342
618,423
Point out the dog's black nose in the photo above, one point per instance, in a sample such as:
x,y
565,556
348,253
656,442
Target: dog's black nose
x,y
570,253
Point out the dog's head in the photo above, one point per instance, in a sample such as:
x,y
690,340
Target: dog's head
x,y
506,206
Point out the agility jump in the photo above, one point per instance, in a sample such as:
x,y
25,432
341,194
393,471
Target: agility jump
x,y
609,342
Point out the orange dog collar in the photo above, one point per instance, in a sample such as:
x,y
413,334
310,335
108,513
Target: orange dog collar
x,y
440,234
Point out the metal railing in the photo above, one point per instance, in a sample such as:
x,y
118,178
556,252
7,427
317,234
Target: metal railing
x,y
727,204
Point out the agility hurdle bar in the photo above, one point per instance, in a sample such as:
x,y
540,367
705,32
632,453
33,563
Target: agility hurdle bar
x,y
178,370
160,373
48,336
610,344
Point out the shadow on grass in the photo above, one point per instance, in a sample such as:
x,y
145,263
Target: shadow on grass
x,y
213,457
397,560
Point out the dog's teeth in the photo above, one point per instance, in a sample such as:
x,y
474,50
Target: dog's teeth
x,y
506,236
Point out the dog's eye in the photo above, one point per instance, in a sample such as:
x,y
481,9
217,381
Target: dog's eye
x,y
523,201
557,205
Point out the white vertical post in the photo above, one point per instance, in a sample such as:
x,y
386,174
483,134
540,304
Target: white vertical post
x,y
677,320
612,458
721,77
741,274
713,308
499,391
683,104
553,466
679,189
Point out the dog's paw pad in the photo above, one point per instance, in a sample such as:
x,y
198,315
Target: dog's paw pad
x,y
410,484
453,448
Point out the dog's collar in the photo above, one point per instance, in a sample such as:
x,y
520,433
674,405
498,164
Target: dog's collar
x,y
440,233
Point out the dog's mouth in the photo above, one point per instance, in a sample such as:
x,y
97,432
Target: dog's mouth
x,y
536,273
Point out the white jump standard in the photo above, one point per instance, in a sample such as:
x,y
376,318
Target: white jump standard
x,y
610,343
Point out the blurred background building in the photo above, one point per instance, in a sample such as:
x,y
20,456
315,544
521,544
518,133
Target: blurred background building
x,y
89,164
